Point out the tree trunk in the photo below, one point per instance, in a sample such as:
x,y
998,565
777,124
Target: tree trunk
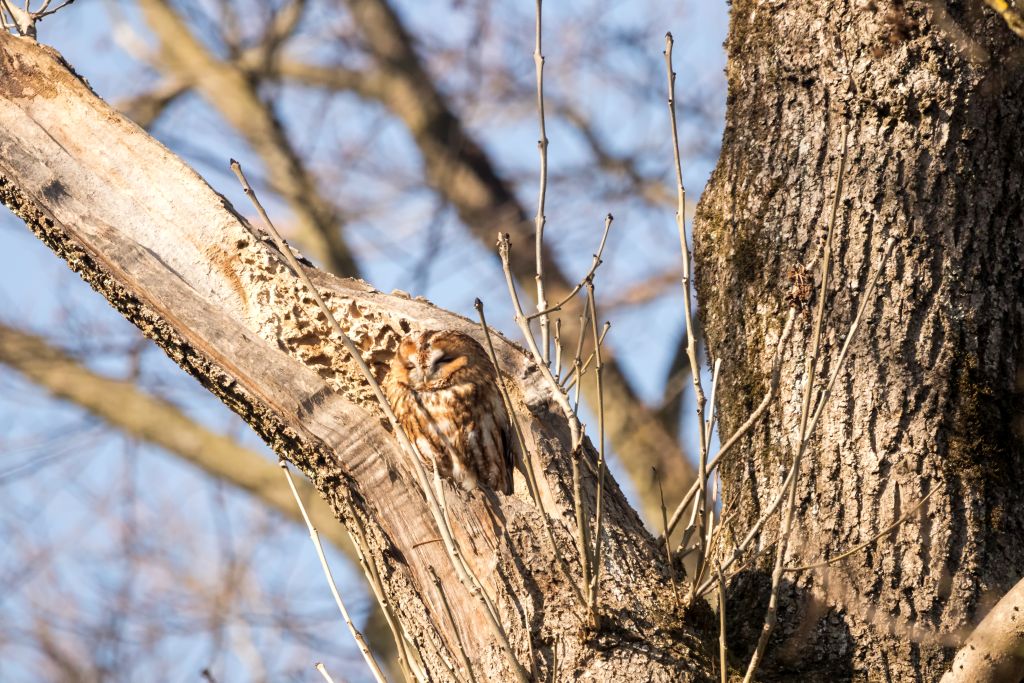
x,y
176,259
930,397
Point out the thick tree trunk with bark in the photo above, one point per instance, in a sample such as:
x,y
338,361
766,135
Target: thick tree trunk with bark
x,y
930,398
176,260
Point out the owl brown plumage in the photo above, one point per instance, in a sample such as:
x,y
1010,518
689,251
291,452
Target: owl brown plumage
x,y
441,386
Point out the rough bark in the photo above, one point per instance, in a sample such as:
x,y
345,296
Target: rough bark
x,y
933,95
177,261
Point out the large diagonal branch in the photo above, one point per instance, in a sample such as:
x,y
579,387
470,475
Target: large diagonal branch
x,y
232,92
173,257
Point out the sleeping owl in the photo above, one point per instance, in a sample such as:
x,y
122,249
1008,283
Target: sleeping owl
x,y
441,385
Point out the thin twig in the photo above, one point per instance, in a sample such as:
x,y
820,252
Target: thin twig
x,y
743,429
582,523
575,378
702,558
541,219
554,658
315,537
601,464
668,544
558,348
691,345
575,430
466,575
319,666
377,585
823,399
723,649
589,277
857,548
577,358
44,12
531,480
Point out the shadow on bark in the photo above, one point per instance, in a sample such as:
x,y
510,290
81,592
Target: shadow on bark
x,y
811,643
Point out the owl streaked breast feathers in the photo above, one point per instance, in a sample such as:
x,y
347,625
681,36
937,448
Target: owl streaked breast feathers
x,y
441,385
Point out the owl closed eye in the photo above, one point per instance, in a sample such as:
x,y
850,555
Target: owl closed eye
x,y
441,385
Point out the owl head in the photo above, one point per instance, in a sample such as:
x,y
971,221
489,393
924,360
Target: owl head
x,y
433,360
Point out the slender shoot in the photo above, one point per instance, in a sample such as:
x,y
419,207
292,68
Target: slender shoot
x,y
601,464
540,219
691,343
315,537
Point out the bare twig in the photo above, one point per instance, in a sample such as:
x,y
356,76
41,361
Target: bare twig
x,y
601,464
573,378
462,569
857,548
743,429
558,348
22,20
889,244
315,537
589,277
377,585
531,480
558,395
582,523
691,344
455,627
577,358
723,649
705,543
541,219
668,543
319,666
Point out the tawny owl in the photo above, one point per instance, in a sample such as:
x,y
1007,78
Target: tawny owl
x,y
442,388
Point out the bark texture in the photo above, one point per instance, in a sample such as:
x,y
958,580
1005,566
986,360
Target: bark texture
x,y
176,260
933,95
